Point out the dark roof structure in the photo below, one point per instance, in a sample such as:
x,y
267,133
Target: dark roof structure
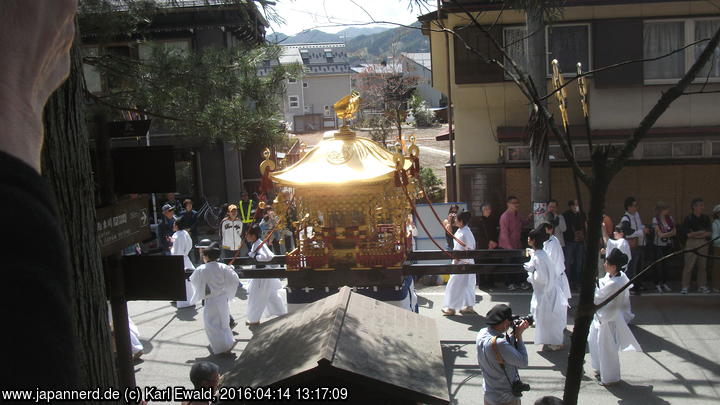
x,y
381,353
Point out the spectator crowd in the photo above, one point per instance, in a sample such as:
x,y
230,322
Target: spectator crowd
x,y
643,239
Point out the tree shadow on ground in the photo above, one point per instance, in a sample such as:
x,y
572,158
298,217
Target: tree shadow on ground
x,y
635,394
651,342
474,321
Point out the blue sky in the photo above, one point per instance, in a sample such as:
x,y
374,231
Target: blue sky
x,y
325,15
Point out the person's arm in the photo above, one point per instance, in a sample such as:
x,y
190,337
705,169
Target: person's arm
x,y
638,232
562,225
513,351
715,231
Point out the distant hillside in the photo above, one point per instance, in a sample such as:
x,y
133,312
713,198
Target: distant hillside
x,y
353,32
364,45
376,47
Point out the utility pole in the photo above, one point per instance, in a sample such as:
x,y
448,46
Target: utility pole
x,y
537,69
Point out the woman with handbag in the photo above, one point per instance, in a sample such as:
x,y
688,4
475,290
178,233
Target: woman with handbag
x,y
665,231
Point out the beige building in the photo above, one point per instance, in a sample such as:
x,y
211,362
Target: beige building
x,y
679,160
309,100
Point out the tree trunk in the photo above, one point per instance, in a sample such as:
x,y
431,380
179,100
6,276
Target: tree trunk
x,y
66,166
537,70
586,307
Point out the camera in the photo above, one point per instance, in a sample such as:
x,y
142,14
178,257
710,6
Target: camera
x,y
518,319
518,387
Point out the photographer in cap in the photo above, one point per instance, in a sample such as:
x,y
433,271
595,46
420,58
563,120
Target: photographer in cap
x,y
500,355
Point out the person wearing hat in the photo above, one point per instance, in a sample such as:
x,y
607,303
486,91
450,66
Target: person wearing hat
x,y
618,241
609,333
217,284
495,345
231,233
165,228
716,246
201,246
665,231
549,302
181,246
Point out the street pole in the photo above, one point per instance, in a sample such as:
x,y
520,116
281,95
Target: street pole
x,y
112,264
537,69
451,181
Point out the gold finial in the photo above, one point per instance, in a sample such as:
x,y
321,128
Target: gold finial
x,y
414,150
267,162
261,205
560,94
582,87
345,109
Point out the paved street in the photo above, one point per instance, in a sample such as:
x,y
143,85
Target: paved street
x,y
680,365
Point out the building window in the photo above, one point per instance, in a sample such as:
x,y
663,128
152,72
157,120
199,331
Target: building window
x,y
292,80
294,101
305,55
657,150
687,149
706,29
663,37
569,44
660,38
516,47
305,85
518,153
715,149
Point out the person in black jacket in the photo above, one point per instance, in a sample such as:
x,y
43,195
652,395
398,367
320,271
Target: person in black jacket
x,y
574,250
485,229
43,348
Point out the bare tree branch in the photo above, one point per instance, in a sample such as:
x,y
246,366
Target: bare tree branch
x,y
527,87
623,63
662,105
687,93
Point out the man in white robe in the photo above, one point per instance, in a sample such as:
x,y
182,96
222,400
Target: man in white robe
x,y
181,246
549,303
609,333
553,248
217,284
264,297
460,289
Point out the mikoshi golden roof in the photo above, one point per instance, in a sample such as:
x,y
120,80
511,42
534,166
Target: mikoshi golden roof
x,y
341,160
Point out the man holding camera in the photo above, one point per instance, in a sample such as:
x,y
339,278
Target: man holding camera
x,y
500,355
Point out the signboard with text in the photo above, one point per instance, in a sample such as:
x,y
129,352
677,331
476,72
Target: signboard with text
x,y
122,224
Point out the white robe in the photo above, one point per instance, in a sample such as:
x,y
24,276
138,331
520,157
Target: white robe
x,y
460,289
264,295
181,246
217,284
135,344
554,250
624,247
548,304
609,333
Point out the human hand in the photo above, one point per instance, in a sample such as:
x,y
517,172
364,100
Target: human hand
x,y
35,39
520,329
602,251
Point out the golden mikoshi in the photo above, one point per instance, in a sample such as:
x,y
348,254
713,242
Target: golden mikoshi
x,y
347,198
